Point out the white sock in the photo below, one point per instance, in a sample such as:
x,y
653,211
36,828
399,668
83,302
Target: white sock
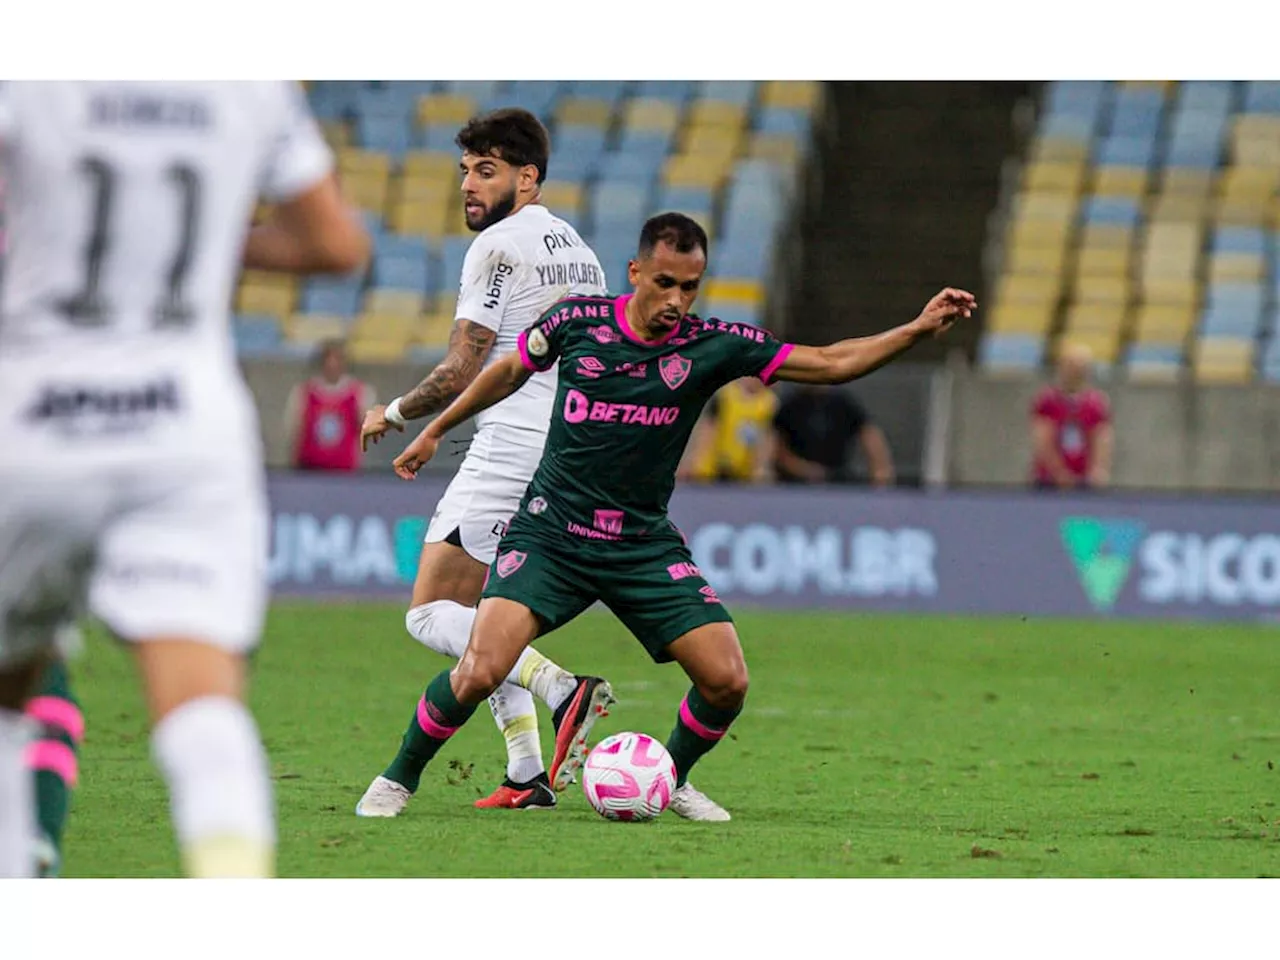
x,y
219,788
441,625
17,798
516,716
545,679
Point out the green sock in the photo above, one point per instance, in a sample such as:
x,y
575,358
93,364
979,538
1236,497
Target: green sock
x,y
437,718
53,757
699,727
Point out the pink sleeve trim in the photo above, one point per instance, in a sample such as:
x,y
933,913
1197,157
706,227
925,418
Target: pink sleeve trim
x,y
522,342
779,358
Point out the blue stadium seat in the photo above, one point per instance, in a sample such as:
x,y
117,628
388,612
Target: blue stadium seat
x,y
653,145
1155,353
1067,127
675,91
339,297
373,223
1206,96
1269,361
682,198
630,167
393,245
1238,240
1245,299
1122,211
739,313
744,255
1262,96
793,123
576,151
1010,351
257,335
395,272
384,100
1076,98
332,99
616,202
389,134
438,137
610,91
730,91
452,253
1225,322
1125,151
1136,113
1194,153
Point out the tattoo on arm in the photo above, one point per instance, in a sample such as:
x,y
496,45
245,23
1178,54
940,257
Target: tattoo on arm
x,y
469,345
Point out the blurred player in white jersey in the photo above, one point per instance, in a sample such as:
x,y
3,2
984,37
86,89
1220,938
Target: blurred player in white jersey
x,y
524,259
132,469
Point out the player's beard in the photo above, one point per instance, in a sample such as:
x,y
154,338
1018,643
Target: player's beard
x,y
499,211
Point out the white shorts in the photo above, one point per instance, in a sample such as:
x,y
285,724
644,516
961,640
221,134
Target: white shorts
x,y
152,553
483,497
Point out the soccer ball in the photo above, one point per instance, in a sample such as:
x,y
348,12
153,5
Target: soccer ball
x,y
629,776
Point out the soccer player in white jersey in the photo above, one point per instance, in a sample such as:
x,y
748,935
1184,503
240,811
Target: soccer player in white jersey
x,y
523,260
132,470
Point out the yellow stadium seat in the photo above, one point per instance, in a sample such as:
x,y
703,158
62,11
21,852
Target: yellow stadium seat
x,y
336,133
272,301
1112,181
1035,258
1104,261
774,146
312,328
422,218
563,199
738,291
368,192
1095,290
1028,288
1222,360
706,170
1242,212
268,278
1249,183
714,141
1039,233
1255,140
1187,208
384,326
446,303
377,351
409,188
1170,290
1174,237
1027,318
1058,149
353,162
431,165
394,303
435,329
1044,205
1095,318
643,113
447,109
1058,176
1168,262
792,94
1105,235
1183,181
717,114
1236,266
1163,323
583,111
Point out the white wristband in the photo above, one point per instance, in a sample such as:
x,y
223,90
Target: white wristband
x,y
392,414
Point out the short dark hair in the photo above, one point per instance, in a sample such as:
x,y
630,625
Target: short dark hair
x,y
675,229
511,134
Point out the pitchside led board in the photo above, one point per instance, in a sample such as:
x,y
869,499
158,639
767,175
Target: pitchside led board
x,y
841,549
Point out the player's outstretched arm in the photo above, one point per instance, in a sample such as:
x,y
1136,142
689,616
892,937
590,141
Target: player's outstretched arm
x,y
849,359
494,385
469,347
314,232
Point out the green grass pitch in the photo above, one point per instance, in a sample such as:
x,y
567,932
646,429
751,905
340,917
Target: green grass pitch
x,y
870,747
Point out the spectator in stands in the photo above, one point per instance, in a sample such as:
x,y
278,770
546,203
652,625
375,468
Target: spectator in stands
x,y
733,441
815,432
324,413
1071,433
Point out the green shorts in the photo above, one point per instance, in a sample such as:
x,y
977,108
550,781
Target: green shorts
x,y
650,584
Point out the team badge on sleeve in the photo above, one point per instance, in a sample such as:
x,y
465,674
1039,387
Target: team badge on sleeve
x,y
537,343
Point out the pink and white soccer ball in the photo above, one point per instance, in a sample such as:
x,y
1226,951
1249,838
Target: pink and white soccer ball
x,y
629,776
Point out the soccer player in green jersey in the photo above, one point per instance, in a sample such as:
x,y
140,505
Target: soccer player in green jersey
x,y
634,374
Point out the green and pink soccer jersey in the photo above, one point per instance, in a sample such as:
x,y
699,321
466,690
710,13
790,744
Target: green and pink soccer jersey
x,y
624,411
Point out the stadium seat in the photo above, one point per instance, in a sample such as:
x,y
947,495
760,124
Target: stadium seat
x,y
1136,112
394,302
445,110
1062,176
608,92
739,92
1222,360
717,114
477,90
1020,318
1011,352
583,112
673,91
1030,258
1173,291
257,335
1129,151
1116,211
388,134
563,199
648,115
1076,98
1028,289
430,217
311,329
336,297
1051,149
393,272
265,300
804,95
1163,323
1225,267
1120,181
1154,362
1261,96
628,167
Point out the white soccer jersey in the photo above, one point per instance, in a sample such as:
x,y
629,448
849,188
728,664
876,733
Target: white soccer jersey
x,y
126,210
513,272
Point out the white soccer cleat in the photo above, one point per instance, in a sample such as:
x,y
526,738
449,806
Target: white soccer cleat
x,y
695,805
384,798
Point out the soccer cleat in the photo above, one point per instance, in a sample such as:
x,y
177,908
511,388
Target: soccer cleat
x,y
384,798
573,722
48,863
535,794
695,805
